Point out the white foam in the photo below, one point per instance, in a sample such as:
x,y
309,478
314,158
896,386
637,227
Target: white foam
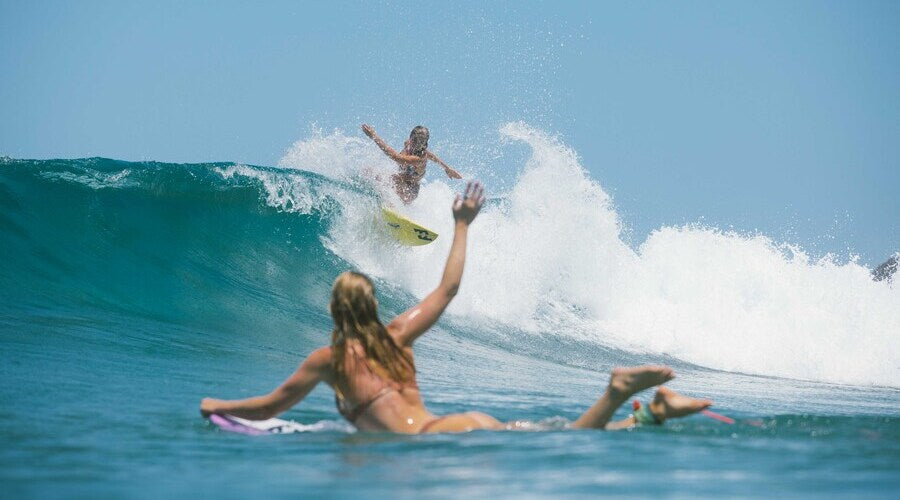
x,y
94,179
550,259
284,191
337,156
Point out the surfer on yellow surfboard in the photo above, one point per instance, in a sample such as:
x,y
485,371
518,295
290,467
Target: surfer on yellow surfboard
x,y
412,160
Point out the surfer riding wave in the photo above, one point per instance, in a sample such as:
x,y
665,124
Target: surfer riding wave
x,y
412,161
371,367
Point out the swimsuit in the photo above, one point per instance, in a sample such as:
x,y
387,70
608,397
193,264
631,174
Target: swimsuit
x,y
410,189
352,414
408,179
410,172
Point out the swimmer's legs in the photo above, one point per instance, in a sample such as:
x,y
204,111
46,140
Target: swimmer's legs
x,y
405,190
669,404
665,405
623,383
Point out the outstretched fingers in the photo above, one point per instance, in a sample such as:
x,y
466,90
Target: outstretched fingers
x,y
467,208
480,196
475,193
469,188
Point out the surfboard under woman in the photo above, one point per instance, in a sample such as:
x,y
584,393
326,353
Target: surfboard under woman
x,y
412,161
372,371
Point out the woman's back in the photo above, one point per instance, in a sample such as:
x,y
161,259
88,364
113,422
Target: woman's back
x,y
369,398
369,365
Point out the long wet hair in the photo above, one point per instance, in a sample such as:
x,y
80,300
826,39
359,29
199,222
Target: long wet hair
x,y
418,140
355,313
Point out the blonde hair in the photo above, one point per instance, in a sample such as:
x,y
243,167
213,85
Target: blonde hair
x,y
355,313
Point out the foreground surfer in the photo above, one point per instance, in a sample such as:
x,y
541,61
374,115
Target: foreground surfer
x,y
371,368
412,160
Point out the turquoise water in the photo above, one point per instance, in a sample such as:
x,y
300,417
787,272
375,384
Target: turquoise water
x,y
129,291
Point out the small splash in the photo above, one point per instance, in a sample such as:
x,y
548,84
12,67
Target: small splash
x,y
283,191
94,179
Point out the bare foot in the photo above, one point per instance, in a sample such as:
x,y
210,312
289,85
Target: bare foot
x,y
669,404
624,382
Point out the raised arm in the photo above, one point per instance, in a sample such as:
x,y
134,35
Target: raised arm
x,y
313,370
404,159
453,174
407,327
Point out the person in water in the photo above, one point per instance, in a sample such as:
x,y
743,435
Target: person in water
x,y
372,370
411,160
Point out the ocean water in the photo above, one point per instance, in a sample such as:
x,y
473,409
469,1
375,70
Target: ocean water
x,y
129,291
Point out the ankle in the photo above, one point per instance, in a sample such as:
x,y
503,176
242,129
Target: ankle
x,y
645,415
618,390
658,410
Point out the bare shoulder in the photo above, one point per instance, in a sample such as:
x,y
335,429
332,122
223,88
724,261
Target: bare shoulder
x,y
320,358
318,363
397,329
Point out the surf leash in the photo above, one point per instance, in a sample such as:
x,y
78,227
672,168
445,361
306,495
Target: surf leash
x,y
715,416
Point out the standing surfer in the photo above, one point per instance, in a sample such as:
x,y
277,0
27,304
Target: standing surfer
x,y
412,160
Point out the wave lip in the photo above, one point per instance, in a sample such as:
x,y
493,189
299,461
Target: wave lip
x,y
550,259
547,259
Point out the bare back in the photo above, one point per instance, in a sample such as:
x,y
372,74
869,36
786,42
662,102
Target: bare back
x,y
368,398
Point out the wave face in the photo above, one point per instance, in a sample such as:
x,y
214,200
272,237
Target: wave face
x,y
244,248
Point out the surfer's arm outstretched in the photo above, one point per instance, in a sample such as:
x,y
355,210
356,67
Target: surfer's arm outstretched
x,y
401,158
407,327
313,370
453,174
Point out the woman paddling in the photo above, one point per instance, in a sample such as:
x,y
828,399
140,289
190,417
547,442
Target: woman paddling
x,y
412,160
372,371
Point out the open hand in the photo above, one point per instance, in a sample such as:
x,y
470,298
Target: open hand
x,y
368,130
466,208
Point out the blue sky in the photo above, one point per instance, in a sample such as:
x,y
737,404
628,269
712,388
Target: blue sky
x,y
777,117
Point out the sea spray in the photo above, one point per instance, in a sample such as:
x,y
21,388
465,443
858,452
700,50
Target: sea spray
x,y
550,259
216,244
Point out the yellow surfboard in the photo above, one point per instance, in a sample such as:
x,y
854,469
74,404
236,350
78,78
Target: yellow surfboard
x,y
406,231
